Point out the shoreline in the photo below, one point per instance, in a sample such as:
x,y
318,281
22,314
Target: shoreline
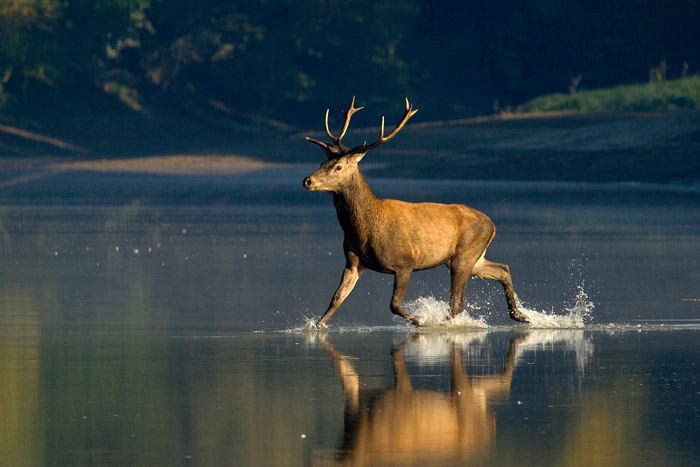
x,y
573,147
172,165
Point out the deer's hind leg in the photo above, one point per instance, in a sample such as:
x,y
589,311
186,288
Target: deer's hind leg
x,y
500,272
461,268
458,284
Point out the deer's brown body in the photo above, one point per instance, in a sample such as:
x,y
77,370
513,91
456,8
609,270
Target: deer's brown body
x,y
396,237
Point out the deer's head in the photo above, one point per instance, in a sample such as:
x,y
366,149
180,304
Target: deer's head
x,y
341,166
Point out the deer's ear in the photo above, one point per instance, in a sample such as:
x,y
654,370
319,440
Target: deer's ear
x,y
355,158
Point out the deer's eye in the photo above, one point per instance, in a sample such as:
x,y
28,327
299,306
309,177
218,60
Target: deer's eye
x,y
338,168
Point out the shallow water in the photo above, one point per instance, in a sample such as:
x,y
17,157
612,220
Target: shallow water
x,y
159,321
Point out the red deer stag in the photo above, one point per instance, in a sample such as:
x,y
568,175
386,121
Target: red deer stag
x,y
396,237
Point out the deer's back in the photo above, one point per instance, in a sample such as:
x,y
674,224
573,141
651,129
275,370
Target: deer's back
x,y
421,235
427,220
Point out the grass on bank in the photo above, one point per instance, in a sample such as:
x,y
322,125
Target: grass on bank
x,y
681,93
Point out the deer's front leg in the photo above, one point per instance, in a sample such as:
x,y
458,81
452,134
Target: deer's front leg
x,y
352,272
401,279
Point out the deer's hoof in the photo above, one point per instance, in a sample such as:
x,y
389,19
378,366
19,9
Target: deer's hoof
x,y
415,320
517,315
313,327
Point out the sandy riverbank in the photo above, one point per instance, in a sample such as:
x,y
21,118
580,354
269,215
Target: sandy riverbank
x,y
172,165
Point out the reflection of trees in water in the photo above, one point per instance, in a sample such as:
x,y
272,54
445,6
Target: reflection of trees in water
x,y
609,427
21,443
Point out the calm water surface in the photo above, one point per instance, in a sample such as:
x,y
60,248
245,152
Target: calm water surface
x,y
159,321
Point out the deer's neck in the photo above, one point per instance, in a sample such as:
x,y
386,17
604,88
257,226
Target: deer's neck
x,y
358,209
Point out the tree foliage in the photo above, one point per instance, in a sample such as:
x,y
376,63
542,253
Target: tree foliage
x,y
278,57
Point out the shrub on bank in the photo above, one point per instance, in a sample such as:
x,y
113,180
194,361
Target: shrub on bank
x,y
681,93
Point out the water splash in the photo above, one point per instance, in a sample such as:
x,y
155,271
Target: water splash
x,y
310,325
307,326
311,328
575,317
434,312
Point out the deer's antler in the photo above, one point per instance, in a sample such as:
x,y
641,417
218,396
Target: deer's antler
x,y
338,149
383,139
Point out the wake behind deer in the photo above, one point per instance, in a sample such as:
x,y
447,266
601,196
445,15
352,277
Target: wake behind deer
x,y
396,237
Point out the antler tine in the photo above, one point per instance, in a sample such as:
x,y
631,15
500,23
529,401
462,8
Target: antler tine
x,y
328,130
348,115
323,145
332,150
383,139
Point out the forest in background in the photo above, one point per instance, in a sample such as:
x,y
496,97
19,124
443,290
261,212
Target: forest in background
x,y
281,61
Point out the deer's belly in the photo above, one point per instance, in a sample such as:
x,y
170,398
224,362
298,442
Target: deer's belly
x,y
389,260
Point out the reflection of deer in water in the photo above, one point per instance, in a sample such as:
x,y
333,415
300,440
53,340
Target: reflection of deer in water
x,y
406,426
